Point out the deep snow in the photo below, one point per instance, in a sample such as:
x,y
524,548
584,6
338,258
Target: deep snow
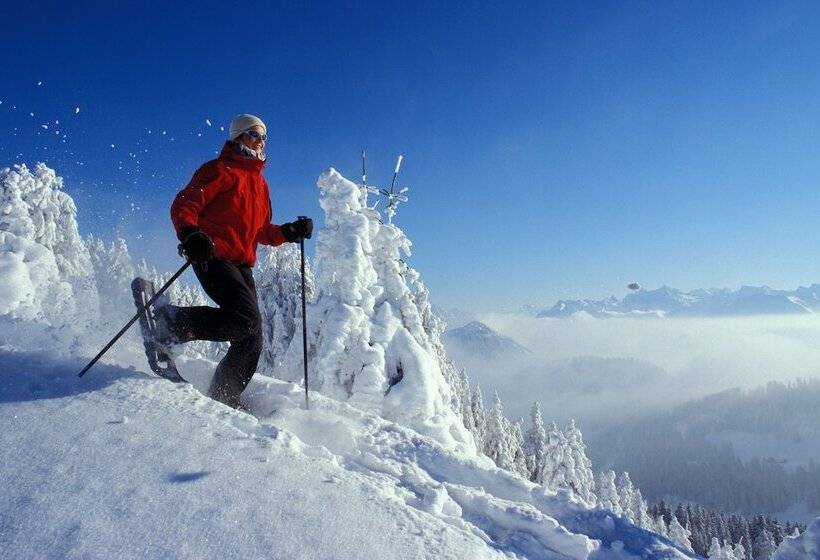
x,y
123,464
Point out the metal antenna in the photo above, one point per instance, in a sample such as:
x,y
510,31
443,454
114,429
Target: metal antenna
x,y
394,198
396,173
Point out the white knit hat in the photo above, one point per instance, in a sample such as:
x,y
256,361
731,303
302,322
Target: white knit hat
x,y
242,123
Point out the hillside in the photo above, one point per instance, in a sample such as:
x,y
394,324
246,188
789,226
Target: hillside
x,y
764,442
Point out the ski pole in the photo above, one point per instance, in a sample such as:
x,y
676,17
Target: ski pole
x,y
304,321
135,317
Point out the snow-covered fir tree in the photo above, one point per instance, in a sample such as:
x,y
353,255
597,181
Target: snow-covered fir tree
x,y
680,535
465,405
764,545
608,493
581,479
626,496
113,272
367,341
640,508
516,444
48,275
278,279
733,531
433,326
739,551
557,462
659,526
497,438
715,550
536,443
479,414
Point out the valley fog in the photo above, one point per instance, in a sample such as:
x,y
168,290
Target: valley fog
x,y
600,370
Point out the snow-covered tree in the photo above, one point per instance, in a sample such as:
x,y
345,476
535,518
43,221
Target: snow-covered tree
x,y
582,480
764,545
566,465
497,438
536,443
47,270
556,473
739,550
367,342
640,509
631,500
113,273
679,535
516,445
660,526
279,289
715,550
608,493
479,414
465,402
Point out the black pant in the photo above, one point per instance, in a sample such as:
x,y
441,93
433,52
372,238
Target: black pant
x,y
236,320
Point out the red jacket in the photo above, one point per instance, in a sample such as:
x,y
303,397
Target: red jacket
x,y
228,199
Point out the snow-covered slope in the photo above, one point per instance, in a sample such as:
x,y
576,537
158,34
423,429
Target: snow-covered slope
x,y
666,301
121,464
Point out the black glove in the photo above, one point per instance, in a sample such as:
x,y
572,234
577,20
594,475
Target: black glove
x,y
196,245
302,228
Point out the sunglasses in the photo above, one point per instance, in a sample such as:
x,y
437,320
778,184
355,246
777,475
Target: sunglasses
x,y
256,136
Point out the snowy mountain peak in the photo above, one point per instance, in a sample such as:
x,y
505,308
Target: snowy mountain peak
x,y
477,328
475,340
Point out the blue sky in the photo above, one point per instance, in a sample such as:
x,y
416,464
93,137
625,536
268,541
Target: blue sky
x,y
553,150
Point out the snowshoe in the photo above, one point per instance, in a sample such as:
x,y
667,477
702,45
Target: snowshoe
x,y
158,354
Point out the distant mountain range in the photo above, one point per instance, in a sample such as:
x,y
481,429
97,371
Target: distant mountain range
x,y
670,302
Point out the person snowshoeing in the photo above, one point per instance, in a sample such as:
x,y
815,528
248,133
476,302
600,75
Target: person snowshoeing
x,y
220,217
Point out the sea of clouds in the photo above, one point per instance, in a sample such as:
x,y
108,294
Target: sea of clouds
x,y
604,369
